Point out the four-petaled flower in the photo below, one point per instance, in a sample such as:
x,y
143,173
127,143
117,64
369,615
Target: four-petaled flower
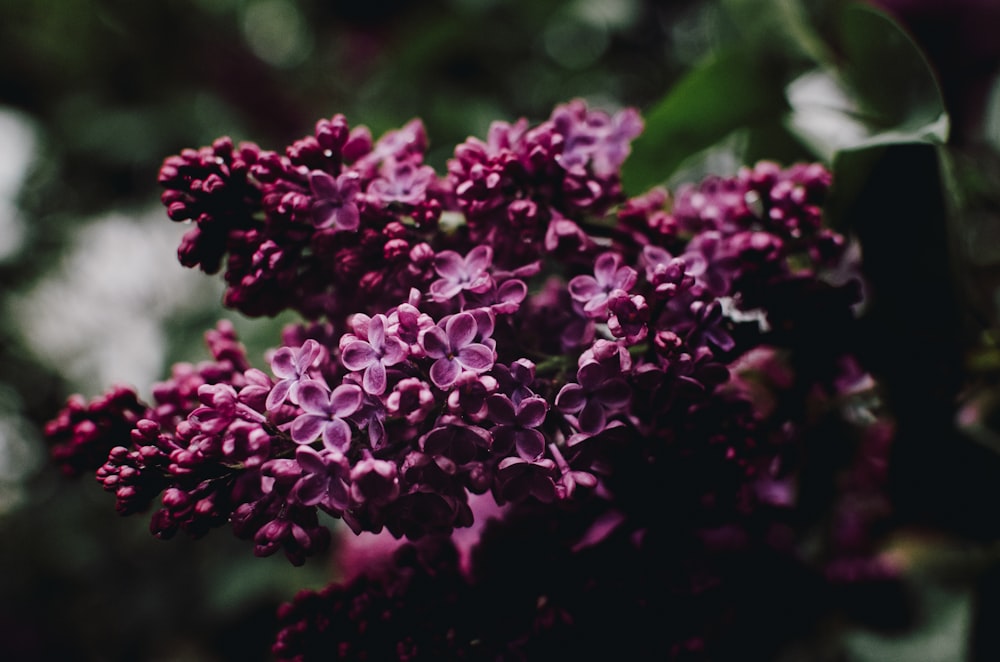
x,y
325,412
454,349
324,479
593,291
597,394
373,355
291,367
516,425
334,200
458,273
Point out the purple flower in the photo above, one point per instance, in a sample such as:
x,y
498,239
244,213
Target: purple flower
x,y
516,425
374,481
593,291
628,316
459,443
373,355
291,366
458,273
519,479
334,202
600,391
455,351
324,414
405,182
411,398
324,479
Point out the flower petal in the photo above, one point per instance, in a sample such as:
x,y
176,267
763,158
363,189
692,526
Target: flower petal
x,y
444,372
461,329
479,259
435,342
501,409
283,363
314,397
530,444
571,398
358,355
345,400
476,357
374,380
531,412
449,265
307,427
278,394
337,435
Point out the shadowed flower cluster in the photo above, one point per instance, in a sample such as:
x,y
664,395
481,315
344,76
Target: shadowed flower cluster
x,y
557,349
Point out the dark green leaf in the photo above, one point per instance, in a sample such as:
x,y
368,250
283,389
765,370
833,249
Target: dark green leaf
x,y
729,91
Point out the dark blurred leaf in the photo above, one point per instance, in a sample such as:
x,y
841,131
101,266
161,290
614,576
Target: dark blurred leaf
x,y
883,93
729,91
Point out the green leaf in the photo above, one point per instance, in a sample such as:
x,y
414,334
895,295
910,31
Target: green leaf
x,y
883,92
729,91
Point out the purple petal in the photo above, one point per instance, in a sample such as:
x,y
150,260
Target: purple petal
x,y
283,363
337,435
435,342
310,489
475,357
307,427
531,412
504,438
278,394
530,444
592,419
584,287
479,259
444,289
485,321
376,331
393,351
591,375
624,278
444,372
346,217
606,267
374,380
449,265
571,398
310,460
613,393
501,409
345,400
314,397
307,355
358,355
323,185
461,329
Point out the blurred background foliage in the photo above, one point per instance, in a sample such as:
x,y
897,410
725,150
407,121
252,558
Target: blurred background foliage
x,y
95,93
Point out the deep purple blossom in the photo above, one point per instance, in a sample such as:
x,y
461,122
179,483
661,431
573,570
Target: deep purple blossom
x,y
600,390
593,291
516,425
411,398
454,350
459,274
334,200
324,479
458,442
404,182
373,355
324,414
291,366
374,482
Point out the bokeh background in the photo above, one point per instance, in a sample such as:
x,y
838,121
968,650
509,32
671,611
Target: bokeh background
x,y
95,93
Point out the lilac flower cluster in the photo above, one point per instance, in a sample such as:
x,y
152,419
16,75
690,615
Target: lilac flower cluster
x,y
515,328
